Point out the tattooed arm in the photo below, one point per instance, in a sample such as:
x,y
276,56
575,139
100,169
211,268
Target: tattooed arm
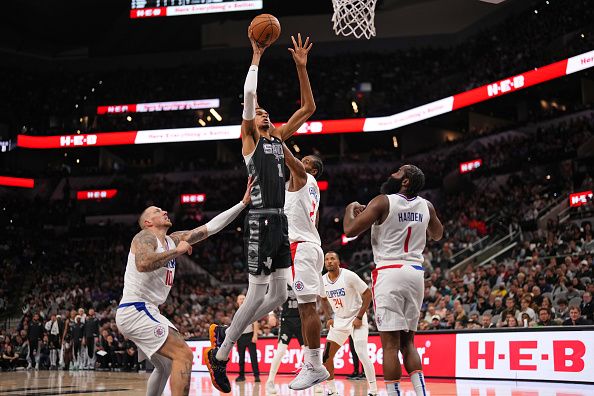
x,y
143,247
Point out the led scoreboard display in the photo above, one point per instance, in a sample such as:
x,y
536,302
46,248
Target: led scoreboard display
x,y
165,8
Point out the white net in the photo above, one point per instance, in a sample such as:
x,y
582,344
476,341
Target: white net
x,y
354,17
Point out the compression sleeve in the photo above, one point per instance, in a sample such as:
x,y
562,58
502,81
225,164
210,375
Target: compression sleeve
x,y
249,93
223,219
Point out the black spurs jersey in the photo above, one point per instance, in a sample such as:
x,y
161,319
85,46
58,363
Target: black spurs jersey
x,y
266,165
291,306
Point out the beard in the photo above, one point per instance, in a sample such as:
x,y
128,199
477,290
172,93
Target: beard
x,y
391,186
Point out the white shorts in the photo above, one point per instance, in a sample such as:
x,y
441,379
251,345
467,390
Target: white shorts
x,y
308,263
342,329
397,296
144,325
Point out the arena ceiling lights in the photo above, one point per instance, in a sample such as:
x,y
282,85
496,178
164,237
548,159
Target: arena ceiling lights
x,y
355,125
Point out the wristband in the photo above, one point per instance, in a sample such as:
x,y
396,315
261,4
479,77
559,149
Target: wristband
x,y
360,317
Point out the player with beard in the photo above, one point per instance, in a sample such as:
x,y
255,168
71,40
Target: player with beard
x,y
400,221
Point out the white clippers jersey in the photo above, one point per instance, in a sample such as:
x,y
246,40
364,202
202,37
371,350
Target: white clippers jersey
x,y
345,294
150,287
403,235
301,208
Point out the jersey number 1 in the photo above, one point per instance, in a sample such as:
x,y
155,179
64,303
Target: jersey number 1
x,y
408,232
280,171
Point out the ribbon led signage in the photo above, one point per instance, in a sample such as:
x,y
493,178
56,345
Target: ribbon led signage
x,y
580,198
193,198
356,125
96,194
470,166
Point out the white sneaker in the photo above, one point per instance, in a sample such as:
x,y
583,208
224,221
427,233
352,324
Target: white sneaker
x,y
330,393
318,389
270,388
309,376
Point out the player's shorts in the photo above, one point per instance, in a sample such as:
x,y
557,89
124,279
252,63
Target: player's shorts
x,y
342,329
290,328
143,324
308,263
266,241
397,296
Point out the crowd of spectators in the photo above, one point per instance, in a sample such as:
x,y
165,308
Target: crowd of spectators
x,y
65,277
45,102
68,318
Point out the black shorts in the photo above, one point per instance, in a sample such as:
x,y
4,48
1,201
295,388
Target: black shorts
x,y
266,241
290,328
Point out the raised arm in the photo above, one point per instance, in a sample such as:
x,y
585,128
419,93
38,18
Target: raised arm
x,y
249,132
143,247
308,105
215,225
298,173
434,228
358,218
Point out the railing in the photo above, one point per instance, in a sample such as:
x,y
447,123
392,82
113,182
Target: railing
x,y
492,251
190,267
466,252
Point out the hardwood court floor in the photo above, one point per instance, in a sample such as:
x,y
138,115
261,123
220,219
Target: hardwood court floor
x,y
133,384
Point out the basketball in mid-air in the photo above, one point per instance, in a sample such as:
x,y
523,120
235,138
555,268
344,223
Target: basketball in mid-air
x,y
265,29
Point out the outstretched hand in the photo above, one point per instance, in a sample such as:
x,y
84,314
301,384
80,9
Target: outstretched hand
x,y
256,47
300,50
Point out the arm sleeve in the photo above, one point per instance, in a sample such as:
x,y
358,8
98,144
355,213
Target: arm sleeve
x,y
249,93
223,219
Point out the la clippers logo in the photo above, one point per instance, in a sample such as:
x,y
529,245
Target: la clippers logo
x,y
299,286
159,331
314,194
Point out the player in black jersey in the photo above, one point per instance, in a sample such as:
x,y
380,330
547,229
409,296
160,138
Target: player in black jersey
x,y
266,236
290,327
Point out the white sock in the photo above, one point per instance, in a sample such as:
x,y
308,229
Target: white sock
x,y
418,381
393,388
372,387
305,350
368,369
315,357
331,385
281,349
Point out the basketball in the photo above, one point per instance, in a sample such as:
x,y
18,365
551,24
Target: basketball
x,y
265,29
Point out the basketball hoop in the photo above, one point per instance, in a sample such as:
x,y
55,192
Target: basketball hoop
x,y
354,17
